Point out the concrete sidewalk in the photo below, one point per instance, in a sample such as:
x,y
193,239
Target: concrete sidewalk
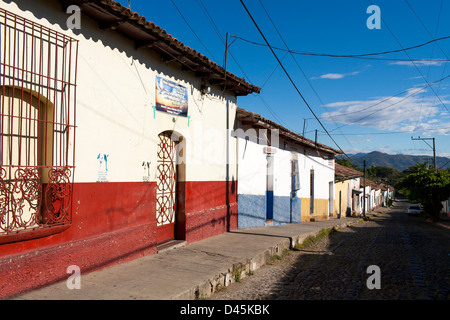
x,y
190,271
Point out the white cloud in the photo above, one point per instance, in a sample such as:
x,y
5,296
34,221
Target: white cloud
x,y
418,63
334,76
341,104
444,155
412,112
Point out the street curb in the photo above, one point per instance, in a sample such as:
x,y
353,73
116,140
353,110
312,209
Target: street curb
x,y
241,269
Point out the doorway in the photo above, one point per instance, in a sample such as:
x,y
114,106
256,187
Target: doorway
x,y
166,188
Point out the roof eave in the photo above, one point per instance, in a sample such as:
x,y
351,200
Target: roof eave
x,y
258,120
111,15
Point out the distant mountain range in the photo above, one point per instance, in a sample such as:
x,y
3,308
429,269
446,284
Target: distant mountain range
x,y
396,161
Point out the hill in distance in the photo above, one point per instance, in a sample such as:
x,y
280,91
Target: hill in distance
x,y
396,161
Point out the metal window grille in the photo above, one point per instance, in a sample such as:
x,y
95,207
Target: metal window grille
x,y
37,124
166,180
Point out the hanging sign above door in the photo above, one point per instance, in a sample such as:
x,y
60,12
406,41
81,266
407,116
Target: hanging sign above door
x,y
171,97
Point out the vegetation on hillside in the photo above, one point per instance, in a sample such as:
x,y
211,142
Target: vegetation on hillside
x,y
427,186
420,183
347,163
384,175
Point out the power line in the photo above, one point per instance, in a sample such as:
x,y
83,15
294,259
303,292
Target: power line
x,y
383,100
272,73
362,55
393,104
220,37
370,133
289,77
195,34
444,164
432,37
386,99
432,147
379,133
370,114
415,66
296,62
216,29
429,33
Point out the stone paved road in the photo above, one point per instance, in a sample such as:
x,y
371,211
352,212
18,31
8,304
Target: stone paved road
x,y
413,257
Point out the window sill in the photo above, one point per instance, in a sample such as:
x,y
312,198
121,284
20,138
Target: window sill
x,y
32,234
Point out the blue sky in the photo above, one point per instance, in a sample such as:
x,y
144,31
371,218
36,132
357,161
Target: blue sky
x,y
364,104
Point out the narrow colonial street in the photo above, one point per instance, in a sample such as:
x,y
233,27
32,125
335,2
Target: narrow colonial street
x,y
413,257
138,161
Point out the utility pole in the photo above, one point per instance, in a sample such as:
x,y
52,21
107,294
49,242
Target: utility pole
x,y
304,124
432,147
364,190
434,154
226,55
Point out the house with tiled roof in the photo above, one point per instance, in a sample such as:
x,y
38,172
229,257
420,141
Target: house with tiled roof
x,y
375,196
348,199
283,177
354,193
115,140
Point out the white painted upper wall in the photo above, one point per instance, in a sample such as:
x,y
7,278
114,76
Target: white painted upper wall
x,y
323,174
116,90
282,172
252,168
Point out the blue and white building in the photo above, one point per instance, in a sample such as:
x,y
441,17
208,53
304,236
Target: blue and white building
x,y
282,176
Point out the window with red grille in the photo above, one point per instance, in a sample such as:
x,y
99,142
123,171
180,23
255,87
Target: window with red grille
x,y
37,124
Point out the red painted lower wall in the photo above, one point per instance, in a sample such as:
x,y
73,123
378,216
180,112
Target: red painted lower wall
x,y
207,212
114,223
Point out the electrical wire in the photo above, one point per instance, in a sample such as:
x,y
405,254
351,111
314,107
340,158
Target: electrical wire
x,y
216,30
289,77
393,104
362,55
432,37
415,66
444,164
298,66
189,26
388,98
433,40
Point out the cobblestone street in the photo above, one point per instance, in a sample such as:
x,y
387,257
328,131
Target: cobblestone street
x,y
413,256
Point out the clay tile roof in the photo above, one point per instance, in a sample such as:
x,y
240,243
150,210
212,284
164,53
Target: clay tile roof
x,y
371,184
111,15
344,172
258,120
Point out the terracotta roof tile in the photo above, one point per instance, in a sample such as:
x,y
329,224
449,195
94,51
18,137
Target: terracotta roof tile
x,y
257,119
346,172
112,15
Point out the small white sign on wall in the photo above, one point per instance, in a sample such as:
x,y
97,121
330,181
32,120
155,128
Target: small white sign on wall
x,y
102,173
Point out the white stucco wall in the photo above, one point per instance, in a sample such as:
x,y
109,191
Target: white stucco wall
x,y
252,168
282,172
116,90
323,174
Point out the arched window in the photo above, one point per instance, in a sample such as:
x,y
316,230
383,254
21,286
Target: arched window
x,y
37,128
34,191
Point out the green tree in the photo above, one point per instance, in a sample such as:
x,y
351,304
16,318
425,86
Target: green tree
x,y
426,186
384,175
